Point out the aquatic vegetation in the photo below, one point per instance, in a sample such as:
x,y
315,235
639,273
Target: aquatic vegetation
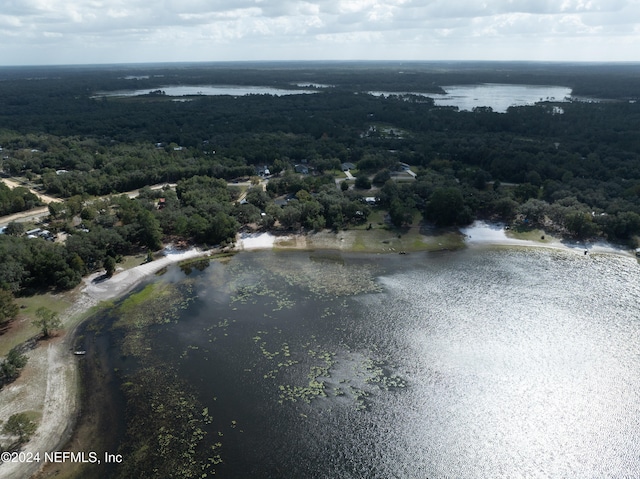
x,y
331,280
377,375
327,275
301,371
199,264
156,303
166,428
277,300
367,375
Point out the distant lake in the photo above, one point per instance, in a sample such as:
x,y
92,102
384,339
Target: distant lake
x,y
497,96
208,90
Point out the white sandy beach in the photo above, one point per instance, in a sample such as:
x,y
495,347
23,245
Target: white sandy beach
x,y
254,241
481,233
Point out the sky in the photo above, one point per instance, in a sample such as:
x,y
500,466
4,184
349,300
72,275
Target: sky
x,y
48,32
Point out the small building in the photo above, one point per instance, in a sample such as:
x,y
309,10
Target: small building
x,y
282,201
301,169
263,171
348,166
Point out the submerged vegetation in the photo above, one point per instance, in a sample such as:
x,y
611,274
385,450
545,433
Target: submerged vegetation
x,y
166,435
170,426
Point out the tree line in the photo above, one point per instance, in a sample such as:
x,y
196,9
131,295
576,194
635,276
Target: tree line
x,y
571,166
14,200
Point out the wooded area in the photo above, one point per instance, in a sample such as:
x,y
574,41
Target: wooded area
x,y
571,166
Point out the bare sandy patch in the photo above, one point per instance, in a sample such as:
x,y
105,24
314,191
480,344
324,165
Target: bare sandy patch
x,y
481,233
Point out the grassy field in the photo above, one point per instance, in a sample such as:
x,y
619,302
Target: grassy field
x,y
380,238
22,329
385,238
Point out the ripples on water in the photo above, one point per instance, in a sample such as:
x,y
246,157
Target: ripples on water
x,y
521,364
518,363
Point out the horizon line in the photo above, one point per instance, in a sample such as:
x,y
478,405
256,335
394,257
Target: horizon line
x,y
325,61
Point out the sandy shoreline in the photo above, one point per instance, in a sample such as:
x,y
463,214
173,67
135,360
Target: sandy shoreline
x,y
51,382
479,234
486,234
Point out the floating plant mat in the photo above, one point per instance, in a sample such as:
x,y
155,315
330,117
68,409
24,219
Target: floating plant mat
x,y
327,274
312,372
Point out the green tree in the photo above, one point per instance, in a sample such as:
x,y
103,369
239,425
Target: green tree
x,y
291,214
257,197
505,207
222,229
363,182
47,321
150,232
580,224
20,425
55,209
110,266
8,307
400,214
12,364
446,207
526,191
14,229
534,210
382,177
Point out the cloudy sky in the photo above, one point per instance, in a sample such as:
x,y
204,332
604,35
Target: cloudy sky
x,y
36,32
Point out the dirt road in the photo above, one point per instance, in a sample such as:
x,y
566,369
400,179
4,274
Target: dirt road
x,y
44,198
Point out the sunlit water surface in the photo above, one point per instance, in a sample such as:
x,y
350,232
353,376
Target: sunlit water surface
x,y
498,97
497,362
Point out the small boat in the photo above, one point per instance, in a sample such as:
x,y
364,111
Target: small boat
x,y
79,353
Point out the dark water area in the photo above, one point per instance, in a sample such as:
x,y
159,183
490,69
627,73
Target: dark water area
x,y
476,363
102,403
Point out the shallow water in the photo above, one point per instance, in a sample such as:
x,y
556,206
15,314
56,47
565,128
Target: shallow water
x,y
476,363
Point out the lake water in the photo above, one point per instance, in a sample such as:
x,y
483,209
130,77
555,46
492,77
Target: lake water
x,y
209,90
497,96
487,362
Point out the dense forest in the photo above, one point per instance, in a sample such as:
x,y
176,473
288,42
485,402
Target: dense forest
x,y
570,166
13,200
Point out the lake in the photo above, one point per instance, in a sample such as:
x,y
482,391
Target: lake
x,y
208,90
499,97
486,362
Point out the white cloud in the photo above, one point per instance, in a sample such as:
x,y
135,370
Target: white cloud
x,y
248,29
